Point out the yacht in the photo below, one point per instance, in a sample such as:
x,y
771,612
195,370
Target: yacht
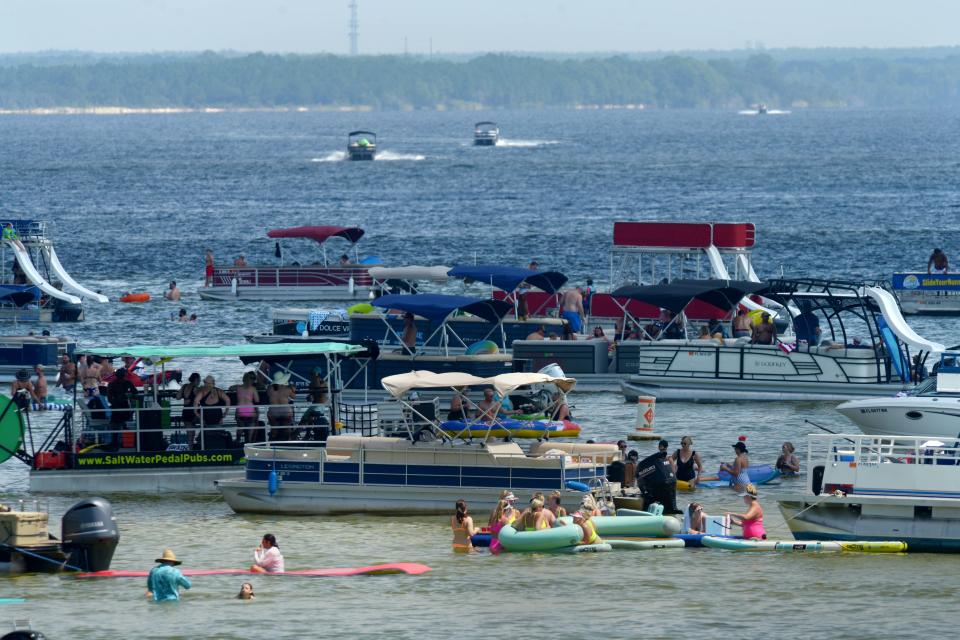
x,y
873,487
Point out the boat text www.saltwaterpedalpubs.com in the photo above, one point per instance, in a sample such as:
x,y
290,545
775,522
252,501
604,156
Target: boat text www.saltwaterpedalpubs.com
x,y
151,443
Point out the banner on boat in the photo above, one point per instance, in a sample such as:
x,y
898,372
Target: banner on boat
x,y
160,459
926,282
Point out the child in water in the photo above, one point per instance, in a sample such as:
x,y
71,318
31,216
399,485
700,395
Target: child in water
x,y
246,592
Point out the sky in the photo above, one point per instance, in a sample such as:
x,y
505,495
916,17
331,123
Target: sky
x,y
458,26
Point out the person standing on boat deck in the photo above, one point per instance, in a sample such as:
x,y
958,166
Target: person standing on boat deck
x,y
164,580
241,261
173,292
765,332
538,334
807,325
409,338
120,393
280,395
210,399
188,393
463,530
937,262
742,326
267,557
571,308
208,269
40,386
687,463
788,463
752,520
738,468
68,374
246,412
106,368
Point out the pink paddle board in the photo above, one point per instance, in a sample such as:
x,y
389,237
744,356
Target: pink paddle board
x,y
409,568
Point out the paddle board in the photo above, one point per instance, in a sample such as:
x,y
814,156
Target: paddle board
x,y
409,568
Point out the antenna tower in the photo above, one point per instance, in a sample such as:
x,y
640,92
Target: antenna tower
x,y
354,28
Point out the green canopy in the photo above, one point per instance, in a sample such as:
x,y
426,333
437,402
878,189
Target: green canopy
x,y
11,428
156,352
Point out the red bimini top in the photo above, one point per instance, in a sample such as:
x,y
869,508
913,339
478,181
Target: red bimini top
x,y
320,234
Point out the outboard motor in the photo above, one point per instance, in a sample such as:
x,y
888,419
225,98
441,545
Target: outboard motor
x,y
89,534
657,482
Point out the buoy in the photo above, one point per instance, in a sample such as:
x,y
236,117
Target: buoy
x,y
273,483
646,407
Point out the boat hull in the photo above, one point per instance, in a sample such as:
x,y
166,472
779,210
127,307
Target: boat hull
x,y
906,416
868,518
316,294
195,480
678,389
301,498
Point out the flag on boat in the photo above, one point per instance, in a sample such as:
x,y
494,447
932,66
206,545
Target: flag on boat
x,y
786,348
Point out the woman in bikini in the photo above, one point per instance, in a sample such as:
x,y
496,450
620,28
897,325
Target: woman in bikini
x,y
246,412
463,530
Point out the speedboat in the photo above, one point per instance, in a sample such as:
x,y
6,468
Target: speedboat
x,y
361,145
928,293
343,280
932,408
420,470
832,365
879,488
486,134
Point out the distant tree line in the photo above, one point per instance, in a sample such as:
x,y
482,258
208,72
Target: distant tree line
x,y
494,80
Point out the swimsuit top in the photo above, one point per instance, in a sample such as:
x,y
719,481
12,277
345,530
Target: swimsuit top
x,y
245,396
685,467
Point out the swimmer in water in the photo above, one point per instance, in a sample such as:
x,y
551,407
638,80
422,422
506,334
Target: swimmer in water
x,y
246,592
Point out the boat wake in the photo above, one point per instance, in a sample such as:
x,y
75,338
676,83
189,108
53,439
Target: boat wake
x,y
393,155
503,142
335,156
771,112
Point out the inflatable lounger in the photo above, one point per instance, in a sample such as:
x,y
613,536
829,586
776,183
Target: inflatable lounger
x,y
513,428
643,545
808,546
564,536
759,474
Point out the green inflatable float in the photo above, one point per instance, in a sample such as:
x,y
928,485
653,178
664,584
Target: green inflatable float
x,y
11,428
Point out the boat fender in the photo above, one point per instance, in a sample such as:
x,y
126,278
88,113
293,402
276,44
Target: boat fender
x,y
574,485
233,286
273,483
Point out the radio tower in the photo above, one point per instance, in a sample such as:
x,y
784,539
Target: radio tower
x,y
354,28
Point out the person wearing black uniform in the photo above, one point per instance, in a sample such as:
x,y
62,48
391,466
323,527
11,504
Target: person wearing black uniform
x,y
657,480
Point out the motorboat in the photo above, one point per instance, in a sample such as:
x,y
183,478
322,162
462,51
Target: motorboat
x,y
421,470
932,408
833,364
486,134
88,537
927,293
346,279
361,145
762,109
149,446
879,487
37,287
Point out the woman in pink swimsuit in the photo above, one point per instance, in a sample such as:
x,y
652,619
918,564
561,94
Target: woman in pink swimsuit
x,y
503,515
752,520
247,399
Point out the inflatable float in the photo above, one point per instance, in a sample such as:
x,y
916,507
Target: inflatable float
x,y
409,568
758,474
135,297
514,428
624,526
808,546
483,347
695,540
643,545
555,539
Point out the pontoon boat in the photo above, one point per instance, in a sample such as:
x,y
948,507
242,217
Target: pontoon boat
x,y
361,145
486,134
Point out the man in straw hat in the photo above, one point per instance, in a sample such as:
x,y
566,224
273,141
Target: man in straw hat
x,y
165,579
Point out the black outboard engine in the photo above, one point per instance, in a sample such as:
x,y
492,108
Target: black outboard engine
x,y
657,482
89,534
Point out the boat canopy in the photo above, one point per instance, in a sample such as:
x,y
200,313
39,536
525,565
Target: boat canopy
x,y
400,384
436,307
320,234
434,274
676,295
485,124
157,352
509,278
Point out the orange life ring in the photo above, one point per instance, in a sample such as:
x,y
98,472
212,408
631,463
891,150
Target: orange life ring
x,y
135,297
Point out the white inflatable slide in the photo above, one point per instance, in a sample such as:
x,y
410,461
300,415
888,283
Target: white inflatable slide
x,y
34,277
895,320
68,282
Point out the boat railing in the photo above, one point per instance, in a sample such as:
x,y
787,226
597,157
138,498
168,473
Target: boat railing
x,y
183,428
292,276
415,464
869,464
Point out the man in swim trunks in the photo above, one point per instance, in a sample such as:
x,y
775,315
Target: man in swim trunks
x,y
571,307
208,279
68,373
765,332
937,263
742,326
173,293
